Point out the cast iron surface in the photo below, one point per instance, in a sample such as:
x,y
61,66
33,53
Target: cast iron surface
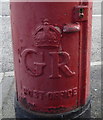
x,y
82,112
52,68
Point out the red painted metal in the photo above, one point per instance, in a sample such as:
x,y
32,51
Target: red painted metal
x,y
51,43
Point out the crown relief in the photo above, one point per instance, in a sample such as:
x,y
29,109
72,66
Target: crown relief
x,y
47,35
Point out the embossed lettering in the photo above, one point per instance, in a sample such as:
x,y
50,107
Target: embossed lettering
x,y
54,65
56,95
63,66
75,91
37,68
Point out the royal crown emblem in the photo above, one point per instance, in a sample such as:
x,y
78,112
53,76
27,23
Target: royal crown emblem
x,y
34,60
46,35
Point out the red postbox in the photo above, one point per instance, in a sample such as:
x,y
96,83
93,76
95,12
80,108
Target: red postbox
x,y
51,44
